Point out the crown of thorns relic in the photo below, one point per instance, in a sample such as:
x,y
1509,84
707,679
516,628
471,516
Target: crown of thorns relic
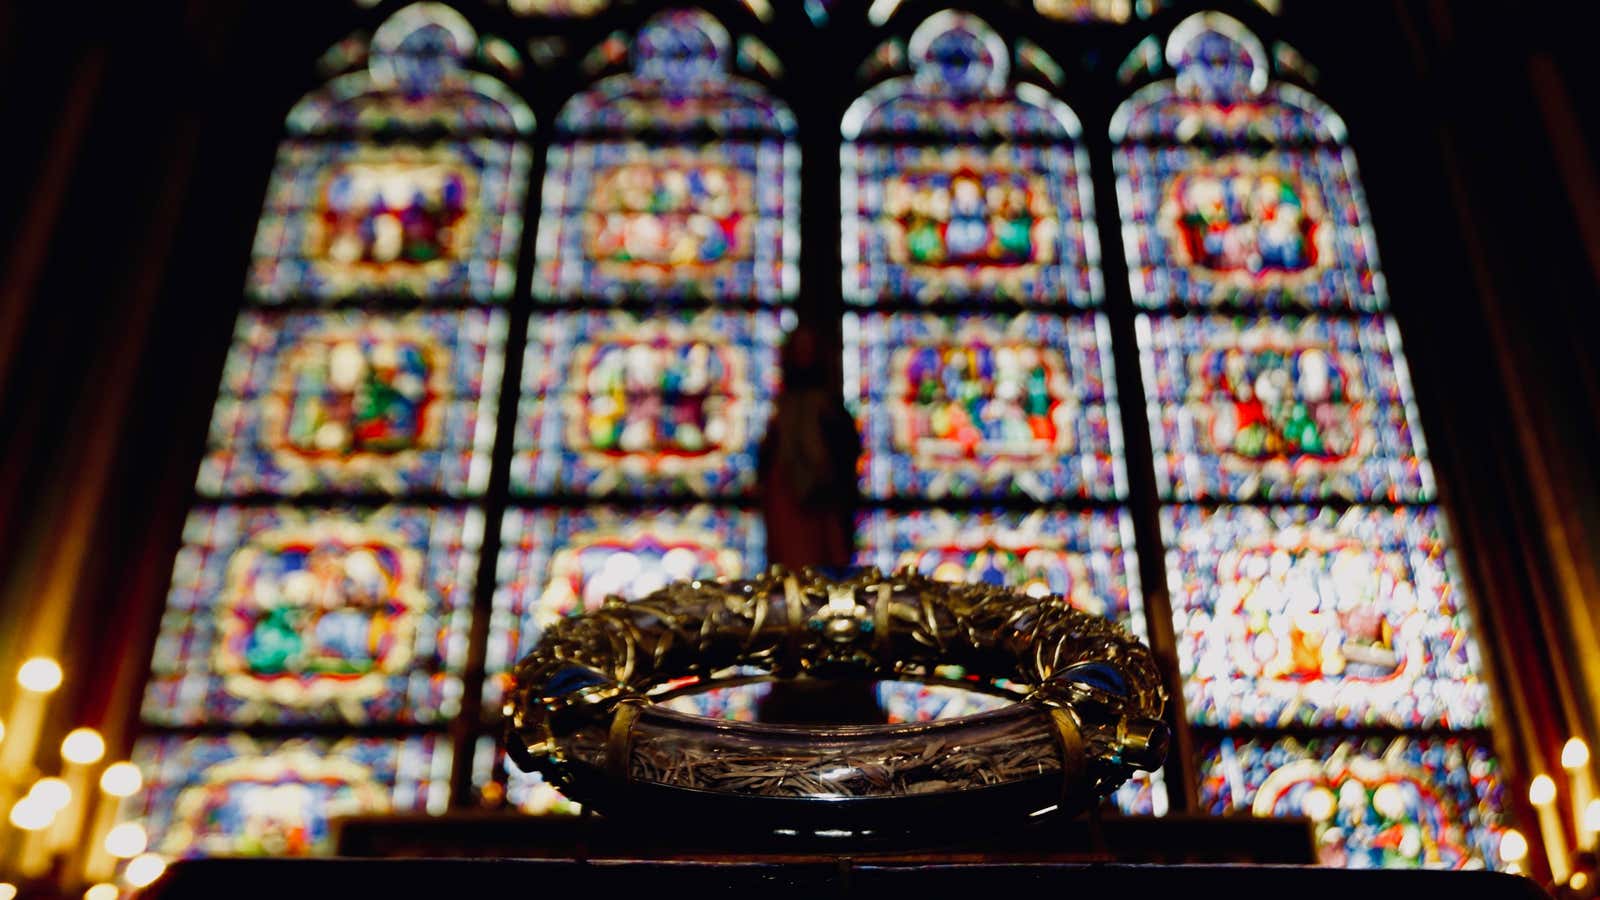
x,y
584,709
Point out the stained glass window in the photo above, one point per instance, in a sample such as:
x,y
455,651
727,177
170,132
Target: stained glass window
x,y
1379,802
350,401
232,795
285,615
398,198
555,563
958,186
1239,191
1281,409
1348,625
1291,616
706,209
410,215
1086,557
979,406
657,405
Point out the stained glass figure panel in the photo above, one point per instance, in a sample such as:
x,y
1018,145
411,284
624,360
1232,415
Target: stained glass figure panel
x,y
1289,408
355,218
288,616
1302,616
355,402
614,403
1401,802
976,406
700,222
556,563
1264,228
232,795
1002,222
1085,556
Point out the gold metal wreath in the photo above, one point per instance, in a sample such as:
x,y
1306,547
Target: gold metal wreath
x,y
1090,697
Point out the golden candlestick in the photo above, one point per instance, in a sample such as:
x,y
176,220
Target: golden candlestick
x,y
80,750
1575,759
1542,794
119,781
37,677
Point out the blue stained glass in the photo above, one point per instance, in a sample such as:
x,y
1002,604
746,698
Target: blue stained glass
x,y
415,81
556,563
981,407
432,221
1281,409
1300,616
613,403
680,83
1278,228
969,223
713,222
354,402
1405,802
283,616
1222,95
958,90
233,795
1086,557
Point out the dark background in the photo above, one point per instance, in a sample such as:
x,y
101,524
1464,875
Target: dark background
x,y
139,137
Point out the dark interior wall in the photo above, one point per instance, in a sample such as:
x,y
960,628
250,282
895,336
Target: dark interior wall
x,y
141,136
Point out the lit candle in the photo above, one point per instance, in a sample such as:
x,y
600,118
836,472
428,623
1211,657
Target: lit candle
x,y
80,750
32,815
1542,794
37,677
119,781
1575,759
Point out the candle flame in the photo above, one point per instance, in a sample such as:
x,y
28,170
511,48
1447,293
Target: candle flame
x,y
1575,755
1542,791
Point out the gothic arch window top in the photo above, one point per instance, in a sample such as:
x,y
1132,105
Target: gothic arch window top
x,y
404,180
959,87
415,80
959,186
641,203
1222,93
680,83
1237,190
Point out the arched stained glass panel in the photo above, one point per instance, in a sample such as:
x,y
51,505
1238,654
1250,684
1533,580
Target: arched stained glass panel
x,y
401,184
678,180
410,215
1237,190
960,186
1348,623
